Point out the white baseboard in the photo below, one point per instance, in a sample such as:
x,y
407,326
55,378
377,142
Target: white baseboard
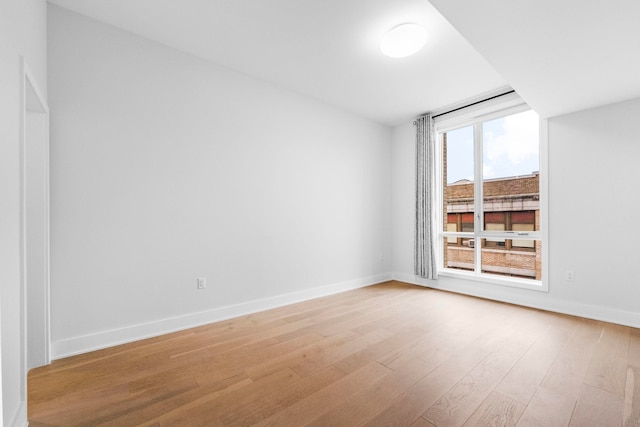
x,y
526,298
100,340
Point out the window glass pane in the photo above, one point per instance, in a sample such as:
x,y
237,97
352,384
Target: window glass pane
x,y
452,227
530,244
458,177
466,220
459,257
523,217
492,241
521,263
510,170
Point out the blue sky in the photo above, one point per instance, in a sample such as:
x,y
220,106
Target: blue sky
x,y
510,148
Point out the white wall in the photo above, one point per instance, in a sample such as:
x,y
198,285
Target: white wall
x,y
593,203
36,252
166,168
403,196
22,33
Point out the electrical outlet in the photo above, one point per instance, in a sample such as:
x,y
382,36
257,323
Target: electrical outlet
x,y
202,282
569,276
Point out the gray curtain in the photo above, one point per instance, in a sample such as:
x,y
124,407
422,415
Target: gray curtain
x,y
425,264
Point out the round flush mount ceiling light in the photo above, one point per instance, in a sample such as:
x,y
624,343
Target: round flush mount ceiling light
x,y
403,40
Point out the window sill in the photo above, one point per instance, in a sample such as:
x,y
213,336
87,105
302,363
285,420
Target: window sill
x,y
513,282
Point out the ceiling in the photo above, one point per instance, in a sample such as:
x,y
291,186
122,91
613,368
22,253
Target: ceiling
x,y
561,56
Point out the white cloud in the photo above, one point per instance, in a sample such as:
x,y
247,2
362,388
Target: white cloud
x,y
516,142
495,146
521,130
487,171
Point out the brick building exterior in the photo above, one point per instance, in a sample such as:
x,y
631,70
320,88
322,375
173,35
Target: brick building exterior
x,y
510,204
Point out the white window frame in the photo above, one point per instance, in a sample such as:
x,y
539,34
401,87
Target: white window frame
x,y
473,116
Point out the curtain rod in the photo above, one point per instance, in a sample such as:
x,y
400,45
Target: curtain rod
x,y
472,104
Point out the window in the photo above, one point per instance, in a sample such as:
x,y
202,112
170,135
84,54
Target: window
x,y
490,184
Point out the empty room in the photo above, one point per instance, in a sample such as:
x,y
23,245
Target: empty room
x,y
319,212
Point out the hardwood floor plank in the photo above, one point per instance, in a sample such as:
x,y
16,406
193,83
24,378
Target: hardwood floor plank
x,y
76,384
379,314
597,407
211,409
76,404
526,376
378,350
209,342
238,360
174,411
86,414
281,398
421,422
311,306
316,361
158,379
387,315
632,397
450,336
407,407
442,373
608,367
365,405
496,410
142,347
385,355
633,353
568,371
462,400
548,409
318,351
311,407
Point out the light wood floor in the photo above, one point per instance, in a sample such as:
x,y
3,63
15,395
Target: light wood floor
x,y
390,354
